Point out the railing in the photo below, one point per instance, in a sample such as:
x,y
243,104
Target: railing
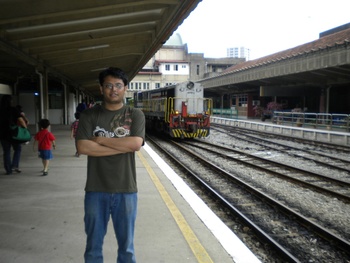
x,y
327,121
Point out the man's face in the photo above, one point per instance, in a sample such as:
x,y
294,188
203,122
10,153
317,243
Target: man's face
x,y
113,90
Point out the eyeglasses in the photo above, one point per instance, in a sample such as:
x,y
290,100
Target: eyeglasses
x,y
110,86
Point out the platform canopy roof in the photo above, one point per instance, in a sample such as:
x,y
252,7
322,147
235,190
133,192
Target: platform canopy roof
x,y
73,40
322,63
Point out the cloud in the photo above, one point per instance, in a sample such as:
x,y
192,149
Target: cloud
x,y
264,27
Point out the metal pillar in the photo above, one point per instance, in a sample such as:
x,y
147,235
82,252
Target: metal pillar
x,y
65,96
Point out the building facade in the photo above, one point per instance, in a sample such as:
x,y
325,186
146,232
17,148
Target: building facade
x,y
173,64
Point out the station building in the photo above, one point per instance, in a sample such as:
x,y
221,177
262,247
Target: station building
x,y
173,64
312,77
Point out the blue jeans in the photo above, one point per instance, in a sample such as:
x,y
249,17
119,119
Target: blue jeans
x,y
99,207
6,148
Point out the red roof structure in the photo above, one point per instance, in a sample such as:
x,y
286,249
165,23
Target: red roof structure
x,y
325,42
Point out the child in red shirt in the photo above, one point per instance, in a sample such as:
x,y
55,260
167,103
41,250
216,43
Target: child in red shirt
x,y
45,140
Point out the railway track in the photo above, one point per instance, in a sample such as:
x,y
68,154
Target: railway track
x,y
327,185
287,231
266,135
328,161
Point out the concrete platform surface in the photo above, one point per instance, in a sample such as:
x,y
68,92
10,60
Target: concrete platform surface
x,y
41,217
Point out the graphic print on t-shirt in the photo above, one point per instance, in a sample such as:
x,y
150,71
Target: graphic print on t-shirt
x,y
120,126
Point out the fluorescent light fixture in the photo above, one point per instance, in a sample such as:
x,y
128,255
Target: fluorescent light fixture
x,y
93,47
97,69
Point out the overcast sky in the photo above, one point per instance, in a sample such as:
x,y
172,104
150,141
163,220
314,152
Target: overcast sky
x,y
263,26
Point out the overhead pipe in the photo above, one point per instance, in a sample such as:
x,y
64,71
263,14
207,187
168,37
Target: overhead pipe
x,y
42,113
15,92
327,98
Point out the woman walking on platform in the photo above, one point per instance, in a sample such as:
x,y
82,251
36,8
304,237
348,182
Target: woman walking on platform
x,y
10,116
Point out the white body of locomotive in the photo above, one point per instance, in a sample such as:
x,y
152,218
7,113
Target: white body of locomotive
x,y
179,110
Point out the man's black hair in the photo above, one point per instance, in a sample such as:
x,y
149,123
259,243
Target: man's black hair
x,y
114,72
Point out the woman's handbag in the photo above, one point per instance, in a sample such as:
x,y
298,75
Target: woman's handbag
x,y
20,134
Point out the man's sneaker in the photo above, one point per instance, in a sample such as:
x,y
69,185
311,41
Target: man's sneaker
x,y
16,170
45,173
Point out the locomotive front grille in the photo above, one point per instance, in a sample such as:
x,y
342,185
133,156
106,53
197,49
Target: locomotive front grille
x,y
181,133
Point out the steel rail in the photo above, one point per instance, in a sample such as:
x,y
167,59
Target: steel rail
x,y
318,229
343,197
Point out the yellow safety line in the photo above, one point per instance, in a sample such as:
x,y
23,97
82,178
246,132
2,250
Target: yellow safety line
x,y
195,245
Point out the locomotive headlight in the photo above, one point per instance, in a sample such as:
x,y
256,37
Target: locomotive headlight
x,y
190,85
176,112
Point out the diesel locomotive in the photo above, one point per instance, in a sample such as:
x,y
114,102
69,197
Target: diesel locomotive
x,y
179,110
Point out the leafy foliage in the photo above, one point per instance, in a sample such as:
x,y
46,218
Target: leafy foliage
x,y
268,111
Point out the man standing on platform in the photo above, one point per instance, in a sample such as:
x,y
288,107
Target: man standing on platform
x,y
110,134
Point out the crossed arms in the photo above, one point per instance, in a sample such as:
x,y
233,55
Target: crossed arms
x,y
103,146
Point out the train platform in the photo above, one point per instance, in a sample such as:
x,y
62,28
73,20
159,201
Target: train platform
x,y
41,217
320,134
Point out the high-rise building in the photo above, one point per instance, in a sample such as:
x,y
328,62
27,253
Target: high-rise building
x,y
238,52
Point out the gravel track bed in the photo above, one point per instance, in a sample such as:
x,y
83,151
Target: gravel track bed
x,y
291,143
229,141
331,213
314,205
